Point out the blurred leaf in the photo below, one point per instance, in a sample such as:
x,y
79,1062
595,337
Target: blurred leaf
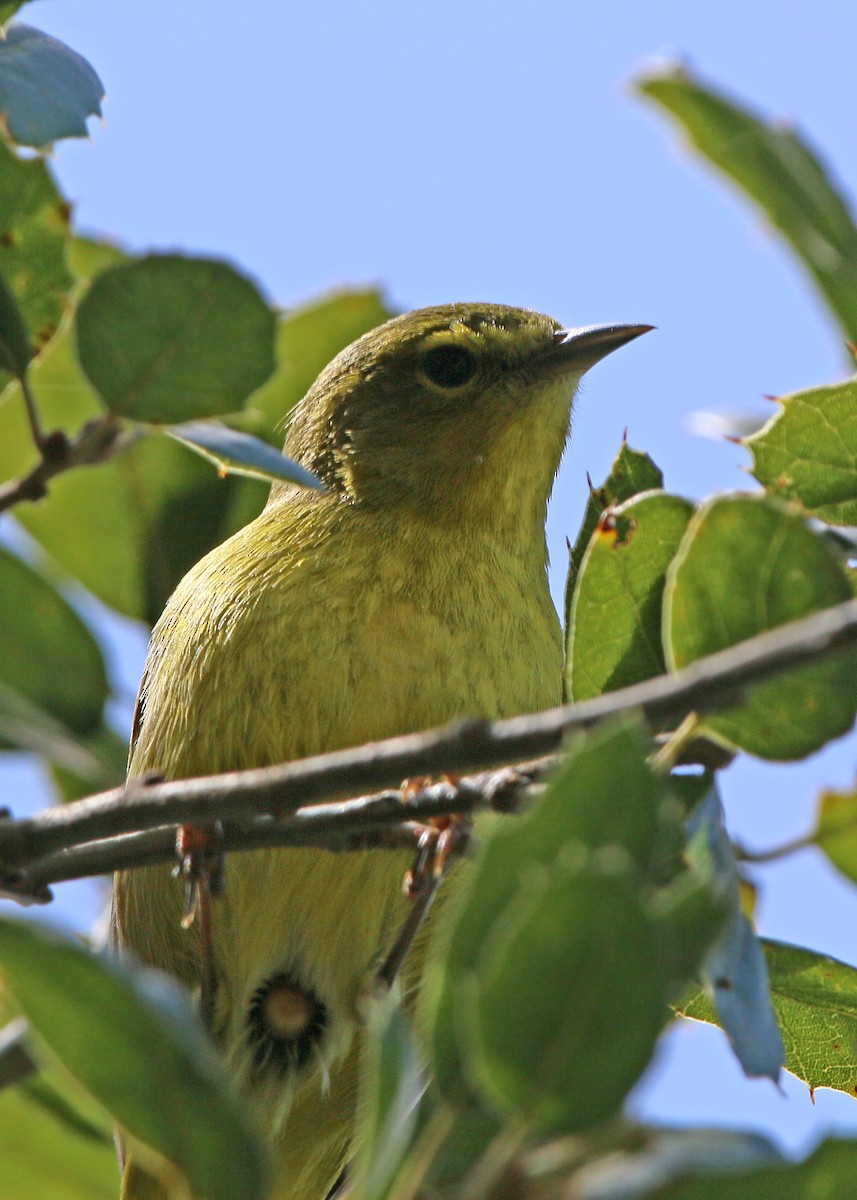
x,y
815,999
568,996
632,472
695,902
88,255
33,237
26,726
668,1158
836,830
605,795
808,452
130,1039
47,90
15,349
828,1174
9,9
307,339
169,339
748,564
43,1156
108,761
392,1085
614,630
47,653
776,169
67,1102
471,1132
240,453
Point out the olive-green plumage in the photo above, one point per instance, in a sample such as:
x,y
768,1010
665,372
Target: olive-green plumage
x,y
410,592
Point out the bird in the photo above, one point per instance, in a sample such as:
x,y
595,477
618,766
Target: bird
x,y
411,591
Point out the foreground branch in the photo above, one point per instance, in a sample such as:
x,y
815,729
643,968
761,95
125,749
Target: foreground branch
x,y
279,792
388,820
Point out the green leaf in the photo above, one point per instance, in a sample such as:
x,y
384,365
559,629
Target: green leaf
x,y
239,453
614,628
129,1038
776,169
15,349
828,1174
836,830
26,726
605,795
568,996
745,565
47,90
151,512
47,653
307,339
808,452
471,1132
107,755
33,238
67,1102
815,999
43,1156
9,9
632,472
170,339
392,1085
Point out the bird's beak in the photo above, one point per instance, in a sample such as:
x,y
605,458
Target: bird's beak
x,y
579,349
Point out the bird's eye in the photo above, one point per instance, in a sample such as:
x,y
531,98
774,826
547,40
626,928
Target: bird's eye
x,y
284,1022
448,366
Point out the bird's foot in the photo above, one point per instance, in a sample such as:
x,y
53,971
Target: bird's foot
x,y
202,865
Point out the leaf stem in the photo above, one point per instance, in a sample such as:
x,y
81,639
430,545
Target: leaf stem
x,y
32,411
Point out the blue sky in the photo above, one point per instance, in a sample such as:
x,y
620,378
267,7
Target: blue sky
x,y
495,152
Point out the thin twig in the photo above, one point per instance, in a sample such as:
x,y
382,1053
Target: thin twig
x,y
36,432
98,440
827,832
776,852
668,754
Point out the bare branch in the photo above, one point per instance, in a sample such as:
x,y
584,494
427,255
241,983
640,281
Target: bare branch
x,y
279,792
387,820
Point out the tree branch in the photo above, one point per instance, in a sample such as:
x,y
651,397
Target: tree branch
x,y
388,820
280,792
97,441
